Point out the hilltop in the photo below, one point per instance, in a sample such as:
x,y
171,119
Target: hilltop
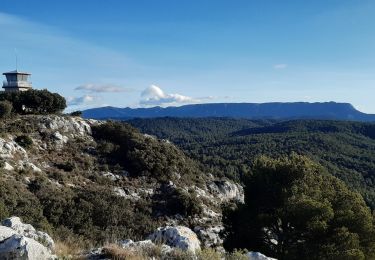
x,y
89,182
298,110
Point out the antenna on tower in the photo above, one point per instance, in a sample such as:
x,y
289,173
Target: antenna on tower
x,y
15,53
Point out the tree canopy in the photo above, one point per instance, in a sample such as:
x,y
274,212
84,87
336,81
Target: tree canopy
x,y
34,101
228,147
295,210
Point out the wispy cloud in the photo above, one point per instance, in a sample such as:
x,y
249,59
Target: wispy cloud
x,y
97,88
78,101
155,96
280,66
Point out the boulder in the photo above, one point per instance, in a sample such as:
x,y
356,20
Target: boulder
x,y
59,138
29,231
22,241
179,237
9,148
25,164
258,256
21,247
8,167
210,236
6,232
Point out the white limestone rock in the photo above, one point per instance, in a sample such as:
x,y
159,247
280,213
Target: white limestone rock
x,y
177,237
22,241
111,176
6,232
143,244
21,247
210,236
59,138
127,194
258,256
29,231
25,164
9,148
8,167
227,191
64,124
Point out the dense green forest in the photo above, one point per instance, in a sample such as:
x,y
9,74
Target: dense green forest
x,y
228,147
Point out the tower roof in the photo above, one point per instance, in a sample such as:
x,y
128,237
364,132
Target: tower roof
x,y
16,72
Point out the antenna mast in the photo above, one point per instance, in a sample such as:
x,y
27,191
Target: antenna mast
x,y
15,53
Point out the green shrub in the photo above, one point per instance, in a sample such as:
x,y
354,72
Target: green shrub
x,y
181,202
34,101
143,155
76,113
68,166
311,214
6,108
24,141
4,213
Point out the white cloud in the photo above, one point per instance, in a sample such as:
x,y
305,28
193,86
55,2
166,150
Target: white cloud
x,y
77,101
280,66
155,96
102,88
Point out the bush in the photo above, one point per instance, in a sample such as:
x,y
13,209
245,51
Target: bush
x,y
181,202
34,101
76,113
24,141
143,155
5,109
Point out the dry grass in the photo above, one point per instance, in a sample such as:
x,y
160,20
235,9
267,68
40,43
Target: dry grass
x,y
116,252
67,249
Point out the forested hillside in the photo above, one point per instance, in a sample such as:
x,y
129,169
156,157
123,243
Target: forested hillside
x,y
228,147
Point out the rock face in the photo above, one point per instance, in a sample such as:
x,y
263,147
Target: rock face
x,y
63,124
29,231
21,247
258,256
22,241
226,191
9,148
8,167
210,236
179,237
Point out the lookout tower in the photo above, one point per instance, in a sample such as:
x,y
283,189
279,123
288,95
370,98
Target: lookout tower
x,y
16,81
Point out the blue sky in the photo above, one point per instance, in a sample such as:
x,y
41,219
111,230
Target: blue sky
x,y
173,52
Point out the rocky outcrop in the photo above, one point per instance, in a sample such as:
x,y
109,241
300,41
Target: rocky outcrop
x,y
8,167
210,236
29,231
227,191
258,256
25,164
9,148
178,237
126,193
22,241
66,124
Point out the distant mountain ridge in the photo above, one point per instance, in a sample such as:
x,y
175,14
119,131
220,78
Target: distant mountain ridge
x,y
274,110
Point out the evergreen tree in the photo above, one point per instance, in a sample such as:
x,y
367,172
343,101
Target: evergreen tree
x,y
295,210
